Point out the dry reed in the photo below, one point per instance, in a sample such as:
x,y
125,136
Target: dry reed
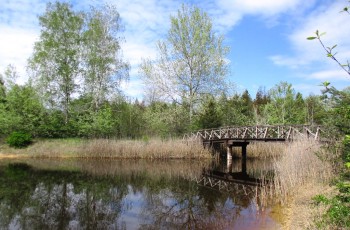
x,y
153,149
298,168
109,148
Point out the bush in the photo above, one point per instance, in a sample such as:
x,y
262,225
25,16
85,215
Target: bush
x,y
19,139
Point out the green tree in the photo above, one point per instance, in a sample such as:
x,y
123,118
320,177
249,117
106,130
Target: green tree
x,y
2,90
9,77
56,59
21,111
247,106
104,68
235,110
191,60
209,115
315,110
285,106
261,99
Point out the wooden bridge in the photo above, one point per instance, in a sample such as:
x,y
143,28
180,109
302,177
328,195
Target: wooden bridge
x,y
258,133
241,136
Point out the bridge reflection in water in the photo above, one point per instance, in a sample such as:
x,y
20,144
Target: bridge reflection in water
x,y
229,180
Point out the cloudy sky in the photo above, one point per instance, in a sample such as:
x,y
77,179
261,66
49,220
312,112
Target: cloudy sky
x,y
267,38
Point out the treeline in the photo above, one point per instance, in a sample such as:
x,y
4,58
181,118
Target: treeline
x,y
22,109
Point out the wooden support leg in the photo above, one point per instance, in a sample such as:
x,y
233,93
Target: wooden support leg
x,y
244,158
229,166
229,153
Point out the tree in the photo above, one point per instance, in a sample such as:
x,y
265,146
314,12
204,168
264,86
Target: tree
x,y
56,59
261,99
2,90
191,60
209,115
247,106
284,107
24,103
315,110
9,77
235,110
104,68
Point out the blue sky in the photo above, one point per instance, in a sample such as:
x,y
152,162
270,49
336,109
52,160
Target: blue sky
x,y
267,38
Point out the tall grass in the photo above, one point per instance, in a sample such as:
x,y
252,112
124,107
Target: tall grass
x,y
261,150
153,149
109,148
299,167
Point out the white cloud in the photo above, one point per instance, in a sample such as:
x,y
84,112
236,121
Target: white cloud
x,y
308,89
262,7
330,75
19,30
309,55
16,45
133,88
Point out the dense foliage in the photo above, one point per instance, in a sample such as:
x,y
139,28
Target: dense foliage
x,y
19,140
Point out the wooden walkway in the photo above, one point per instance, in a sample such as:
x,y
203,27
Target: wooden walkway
x,y
257,133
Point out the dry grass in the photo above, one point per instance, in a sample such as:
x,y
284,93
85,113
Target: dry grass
x,y
299,175
261,150
109,148
300,166
46,148
153,149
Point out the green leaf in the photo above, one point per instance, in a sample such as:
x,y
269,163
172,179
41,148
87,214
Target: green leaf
x,y
322,34
329,55
347,164
311,38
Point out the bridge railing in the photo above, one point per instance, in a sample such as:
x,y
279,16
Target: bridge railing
x,y
260,132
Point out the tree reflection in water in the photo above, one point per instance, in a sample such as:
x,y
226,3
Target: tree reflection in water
x,y
50,194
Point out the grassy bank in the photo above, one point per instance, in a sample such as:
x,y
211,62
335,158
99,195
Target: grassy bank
x,y
109,148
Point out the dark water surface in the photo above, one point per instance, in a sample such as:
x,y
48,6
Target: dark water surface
x,y
131,194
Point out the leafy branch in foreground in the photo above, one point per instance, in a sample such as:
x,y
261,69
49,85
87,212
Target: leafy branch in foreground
x,y
330,50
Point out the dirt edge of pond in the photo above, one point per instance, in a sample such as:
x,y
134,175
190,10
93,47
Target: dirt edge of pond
x,y
300,212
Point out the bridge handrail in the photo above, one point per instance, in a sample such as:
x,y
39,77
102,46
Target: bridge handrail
x,y
258,132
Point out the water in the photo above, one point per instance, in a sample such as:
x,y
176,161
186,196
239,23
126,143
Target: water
x,y
131,194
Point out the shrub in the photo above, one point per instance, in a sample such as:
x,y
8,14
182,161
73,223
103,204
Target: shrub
x,y
19,139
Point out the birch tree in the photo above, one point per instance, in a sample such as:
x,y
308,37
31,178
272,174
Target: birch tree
x,y
191,60
104,68
56,59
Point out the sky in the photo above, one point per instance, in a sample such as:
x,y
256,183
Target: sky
x,y
267,38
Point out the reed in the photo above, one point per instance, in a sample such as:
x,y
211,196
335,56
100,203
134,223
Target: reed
x,y
299,167
153,149
110,148
261,150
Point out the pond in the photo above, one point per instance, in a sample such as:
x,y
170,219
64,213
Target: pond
x,y
132,194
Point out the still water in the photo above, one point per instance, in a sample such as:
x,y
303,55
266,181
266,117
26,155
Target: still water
x,y
132,194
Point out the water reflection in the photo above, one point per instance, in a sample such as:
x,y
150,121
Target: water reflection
x,y
128,194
